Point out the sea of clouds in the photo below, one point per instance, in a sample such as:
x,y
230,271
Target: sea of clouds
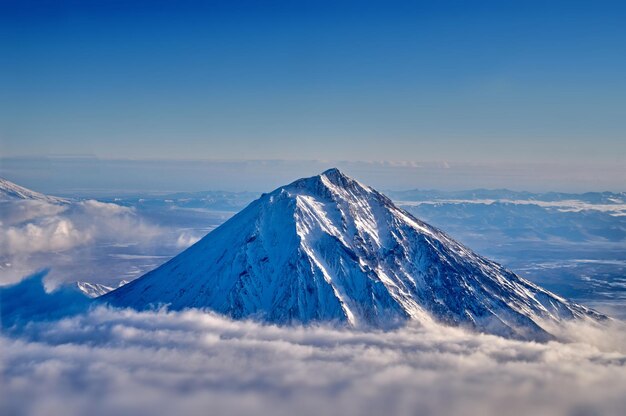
x,y
111,361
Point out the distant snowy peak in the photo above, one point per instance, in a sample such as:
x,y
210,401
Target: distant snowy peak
x,y
328,248
11,191
94,290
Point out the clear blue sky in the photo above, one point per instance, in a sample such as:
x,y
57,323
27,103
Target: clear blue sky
x,y
464,81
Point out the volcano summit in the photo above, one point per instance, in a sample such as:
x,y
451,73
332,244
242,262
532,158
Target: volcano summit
x,y
327,248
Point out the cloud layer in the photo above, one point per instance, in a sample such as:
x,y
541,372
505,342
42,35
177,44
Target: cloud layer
x,y
34,226
33,233
124,362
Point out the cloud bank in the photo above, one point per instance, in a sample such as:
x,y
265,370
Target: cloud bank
x,y
33,233
34,226
124,362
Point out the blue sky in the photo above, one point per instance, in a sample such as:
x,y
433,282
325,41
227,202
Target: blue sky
x,y
462,82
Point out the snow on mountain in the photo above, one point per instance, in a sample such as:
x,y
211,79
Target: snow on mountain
x,y
328,248
94,290
11,191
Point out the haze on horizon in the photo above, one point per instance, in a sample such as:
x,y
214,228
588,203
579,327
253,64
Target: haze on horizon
x,y
490,84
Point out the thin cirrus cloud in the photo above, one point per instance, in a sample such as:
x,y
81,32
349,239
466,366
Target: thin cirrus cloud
x,y
110,361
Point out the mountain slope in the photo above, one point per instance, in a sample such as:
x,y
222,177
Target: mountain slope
x,y
328,248
11,191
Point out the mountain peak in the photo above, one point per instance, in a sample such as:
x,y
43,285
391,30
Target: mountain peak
x,y
337,178
327,248
326,184
334,174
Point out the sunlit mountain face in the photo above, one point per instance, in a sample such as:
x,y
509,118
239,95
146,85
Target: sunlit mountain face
x,y
328,248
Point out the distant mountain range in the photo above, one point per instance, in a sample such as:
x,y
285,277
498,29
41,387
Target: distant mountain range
x,y
506,194
94,290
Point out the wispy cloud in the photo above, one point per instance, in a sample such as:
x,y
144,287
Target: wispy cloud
x,y
186,239
125,362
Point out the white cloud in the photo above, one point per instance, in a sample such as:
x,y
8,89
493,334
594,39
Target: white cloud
x,y
115,222
34,233
193,363
569,205
186,239
15,212
104,208
50,234
47,227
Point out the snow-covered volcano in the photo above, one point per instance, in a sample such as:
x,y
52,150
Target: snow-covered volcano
x,y
328,248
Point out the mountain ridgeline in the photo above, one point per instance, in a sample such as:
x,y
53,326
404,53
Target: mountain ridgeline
x,y
329,249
